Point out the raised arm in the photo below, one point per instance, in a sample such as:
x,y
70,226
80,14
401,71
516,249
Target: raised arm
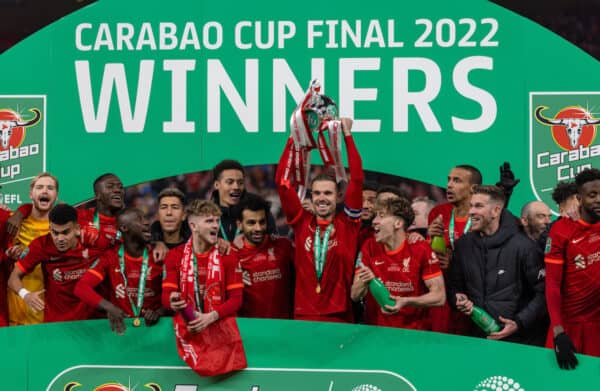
x,y
290,203
353,199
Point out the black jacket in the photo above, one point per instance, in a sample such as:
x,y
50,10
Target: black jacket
x,y
503,274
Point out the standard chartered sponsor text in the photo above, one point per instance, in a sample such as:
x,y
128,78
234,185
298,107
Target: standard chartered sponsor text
x,y
267,275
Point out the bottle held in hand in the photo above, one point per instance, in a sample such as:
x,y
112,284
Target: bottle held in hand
x,y
438,244
380,293
484,321
188,312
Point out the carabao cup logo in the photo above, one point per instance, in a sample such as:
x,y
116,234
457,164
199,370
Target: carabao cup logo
x,y
571,126
563,139
13,127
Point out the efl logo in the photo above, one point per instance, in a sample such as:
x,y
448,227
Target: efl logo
x,y
562,130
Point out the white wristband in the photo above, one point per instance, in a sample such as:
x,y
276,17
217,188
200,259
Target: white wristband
x,y
23,292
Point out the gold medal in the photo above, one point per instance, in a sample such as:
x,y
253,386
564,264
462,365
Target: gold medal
x,y
318,288
137,322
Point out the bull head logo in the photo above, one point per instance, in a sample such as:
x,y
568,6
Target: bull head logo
x,y
573,126
7,125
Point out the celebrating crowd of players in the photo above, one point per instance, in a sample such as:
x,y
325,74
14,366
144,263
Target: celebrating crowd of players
x,y
539,280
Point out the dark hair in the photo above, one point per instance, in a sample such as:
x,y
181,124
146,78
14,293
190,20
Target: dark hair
x,y
391,189
253,202
370,185
496,193
62,214
476,178
325,177
563,191
123,214
585,176
226,165
100,179
399,207
171,192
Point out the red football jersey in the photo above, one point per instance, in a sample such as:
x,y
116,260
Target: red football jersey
x,y
105,227
4,268
108,266
266,272
329,299
445,210
576,246
233,274
365,233
403,272
336,280
61,273
444,319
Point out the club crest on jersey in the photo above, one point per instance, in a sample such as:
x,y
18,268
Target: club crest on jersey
x,y
271,254
406,265
563,142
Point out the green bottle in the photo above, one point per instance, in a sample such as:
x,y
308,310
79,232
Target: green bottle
x,y
484,321
438,244
380,293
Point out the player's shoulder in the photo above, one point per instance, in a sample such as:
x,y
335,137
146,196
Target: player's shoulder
x,y
280,241
420,247
370,246
564,226
175,254
4,215
440,209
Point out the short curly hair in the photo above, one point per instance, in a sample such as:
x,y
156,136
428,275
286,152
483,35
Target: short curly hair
x,y
199,207
585,176
563,191
399,207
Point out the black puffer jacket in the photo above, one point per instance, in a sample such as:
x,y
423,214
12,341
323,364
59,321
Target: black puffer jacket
x,y
503,274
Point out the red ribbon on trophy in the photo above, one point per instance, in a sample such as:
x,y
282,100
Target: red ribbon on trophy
x,y
315,113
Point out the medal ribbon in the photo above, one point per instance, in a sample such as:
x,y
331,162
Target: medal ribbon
x,y
136,308
199,302
237,232
320,250
451,228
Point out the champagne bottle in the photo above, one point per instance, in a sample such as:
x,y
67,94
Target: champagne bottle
x,y
484,321
380,293
438,244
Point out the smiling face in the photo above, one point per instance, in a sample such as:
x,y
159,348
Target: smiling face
x,y
324,195
43,194
386,226
254,225
110,194
484,213
369,197
230,186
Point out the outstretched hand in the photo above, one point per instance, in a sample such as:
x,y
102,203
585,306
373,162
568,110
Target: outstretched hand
x,y
507,178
